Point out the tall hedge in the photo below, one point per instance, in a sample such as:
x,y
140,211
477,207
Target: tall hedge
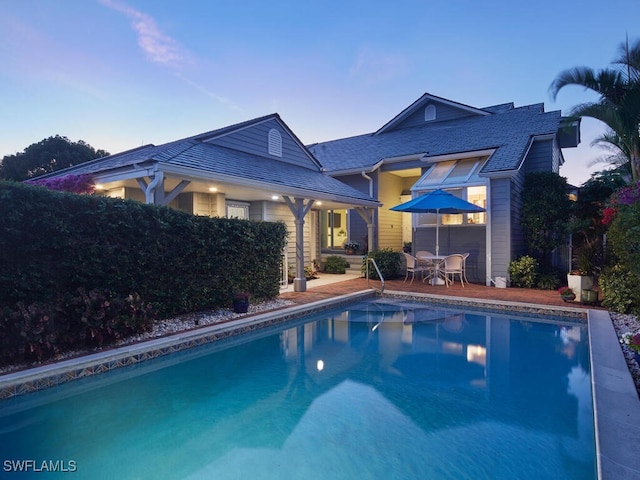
x,y
52,243
620,281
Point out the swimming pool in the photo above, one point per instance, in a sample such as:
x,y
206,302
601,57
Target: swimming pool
x,y
381,389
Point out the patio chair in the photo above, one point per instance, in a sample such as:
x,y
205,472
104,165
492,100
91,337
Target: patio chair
x,y
412,267
453,264
464,266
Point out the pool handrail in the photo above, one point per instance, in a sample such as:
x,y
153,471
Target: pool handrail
x,y
369,259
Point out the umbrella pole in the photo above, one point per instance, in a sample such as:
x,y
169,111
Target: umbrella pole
x,y
437,232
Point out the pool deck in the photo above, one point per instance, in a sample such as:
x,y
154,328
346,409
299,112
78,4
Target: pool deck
x,y
616,402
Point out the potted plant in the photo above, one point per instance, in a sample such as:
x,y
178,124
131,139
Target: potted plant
x,y
581,277
567,294
350,248
241,302
407,246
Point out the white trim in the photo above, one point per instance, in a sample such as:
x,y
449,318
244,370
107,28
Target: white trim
x,y
457,156
357,171
488,236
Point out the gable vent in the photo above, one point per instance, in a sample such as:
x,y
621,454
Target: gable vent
x,y
429,113
275,143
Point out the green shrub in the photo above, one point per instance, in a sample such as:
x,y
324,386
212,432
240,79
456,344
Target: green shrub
x,y
37,331
620,283
335,264
524,272
619,287
549,281
387,260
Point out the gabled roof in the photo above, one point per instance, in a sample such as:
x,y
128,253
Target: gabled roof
x,y
420,103
508,130
197,158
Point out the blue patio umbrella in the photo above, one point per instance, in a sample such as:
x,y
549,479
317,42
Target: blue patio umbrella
x,y
438,202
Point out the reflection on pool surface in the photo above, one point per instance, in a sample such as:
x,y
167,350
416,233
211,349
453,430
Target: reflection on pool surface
x,y
379,390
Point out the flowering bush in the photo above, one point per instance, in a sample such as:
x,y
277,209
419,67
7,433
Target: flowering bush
x,y
68,183
566,293
629,195
632,340
608,215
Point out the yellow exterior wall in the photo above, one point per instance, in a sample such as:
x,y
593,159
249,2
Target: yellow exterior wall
x,y
390,222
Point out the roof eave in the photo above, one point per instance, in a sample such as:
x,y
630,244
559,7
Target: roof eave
x,y
199,175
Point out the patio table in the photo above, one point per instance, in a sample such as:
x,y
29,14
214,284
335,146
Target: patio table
x,y
434,262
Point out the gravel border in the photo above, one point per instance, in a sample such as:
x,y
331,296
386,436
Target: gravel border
x,y
625,324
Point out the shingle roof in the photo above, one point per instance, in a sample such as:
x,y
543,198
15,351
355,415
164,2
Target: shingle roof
x,y
508,130
210,160
224,161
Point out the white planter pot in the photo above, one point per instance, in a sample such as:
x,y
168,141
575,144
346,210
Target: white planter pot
x,y
578,283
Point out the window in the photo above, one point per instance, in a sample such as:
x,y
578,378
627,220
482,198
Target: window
x,y
476,195
238,210
429,113
452,172
275,143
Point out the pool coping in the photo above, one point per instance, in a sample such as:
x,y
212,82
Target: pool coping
x,y
616,402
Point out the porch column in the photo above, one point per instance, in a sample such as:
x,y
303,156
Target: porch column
x,y
299,210
154,191
367,215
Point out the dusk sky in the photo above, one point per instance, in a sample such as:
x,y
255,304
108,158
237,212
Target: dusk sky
x,y
120,74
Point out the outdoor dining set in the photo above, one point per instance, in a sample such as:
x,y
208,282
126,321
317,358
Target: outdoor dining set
x,y
437,269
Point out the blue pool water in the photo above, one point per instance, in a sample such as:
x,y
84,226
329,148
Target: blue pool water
x,y
381,390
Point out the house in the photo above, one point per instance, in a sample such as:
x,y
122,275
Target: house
x,y
255,170
341,191
479,154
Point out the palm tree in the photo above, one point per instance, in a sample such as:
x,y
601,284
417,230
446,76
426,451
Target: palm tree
x,y
619,103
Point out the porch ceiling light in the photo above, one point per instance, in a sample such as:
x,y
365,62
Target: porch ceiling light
x,y
275,197
213,189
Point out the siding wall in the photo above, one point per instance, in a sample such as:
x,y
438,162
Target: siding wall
x,y
518,247
443,112
255,140
199,203
390,222
500,206
275,211
457,239
540,157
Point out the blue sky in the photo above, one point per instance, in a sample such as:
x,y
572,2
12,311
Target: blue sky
x,y
119,74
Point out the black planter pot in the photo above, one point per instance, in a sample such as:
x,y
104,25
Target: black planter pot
x,y
240,306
